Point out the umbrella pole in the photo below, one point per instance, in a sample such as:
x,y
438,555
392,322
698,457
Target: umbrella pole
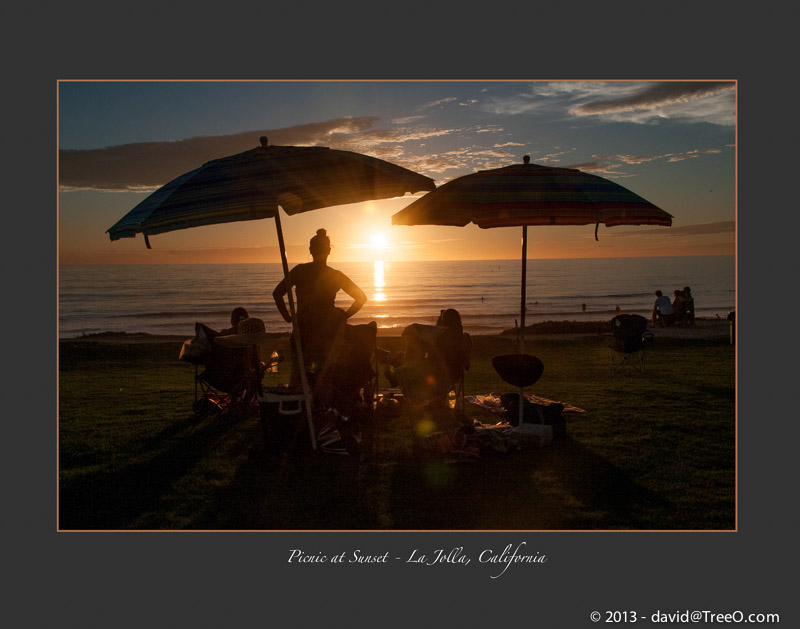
x,y
521,347
296,330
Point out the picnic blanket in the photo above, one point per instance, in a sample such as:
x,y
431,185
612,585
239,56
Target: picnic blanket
x,y
492,402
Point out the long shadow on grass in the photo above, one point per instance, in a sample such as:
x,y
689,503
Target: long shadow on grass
x,y
114,499
563,487
292,488
610,498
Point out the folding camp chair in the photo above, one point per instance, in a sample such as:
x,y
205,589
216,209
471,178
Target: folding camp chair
x,y
355,375
226,378
629,337
436,359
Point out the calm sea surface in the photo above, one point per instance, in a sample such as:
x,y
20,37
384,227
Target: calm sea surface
x,y
169,299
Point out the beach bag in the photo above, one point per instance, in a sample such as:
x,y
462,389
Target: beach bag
x,y
547,414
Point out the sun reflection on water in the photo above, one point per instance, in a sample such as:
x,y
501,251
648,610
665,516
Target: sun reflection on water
x,y
379,282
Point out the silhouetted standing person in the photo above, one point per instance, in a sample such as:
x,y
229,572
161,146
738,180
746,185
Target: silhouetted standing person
x,y
321,323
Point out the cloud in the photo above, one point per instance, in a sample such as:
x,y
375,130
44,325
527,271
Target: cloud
x,y
407,119
709,101
619,101
701,229
654,95
469,159
151,164
553,97
610,164
436,103
680,158
637,159
599,168
145,166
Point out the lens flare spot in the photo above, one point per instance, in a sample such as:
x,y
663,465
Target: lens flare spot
x,y
425,427
438,474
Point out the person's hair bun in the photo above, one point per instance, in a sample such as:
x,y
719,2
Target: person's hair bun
x,y
321,232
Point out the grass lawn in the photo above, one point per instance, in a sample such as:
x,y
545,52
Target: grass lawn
x,y
654,450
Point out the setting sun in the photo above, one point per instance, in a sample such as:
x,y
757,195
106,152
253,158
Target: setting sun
x,y
379,241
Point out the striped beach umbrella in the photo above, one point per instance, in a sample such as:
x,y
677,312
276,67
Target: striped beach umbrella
x,y
254,184
530,194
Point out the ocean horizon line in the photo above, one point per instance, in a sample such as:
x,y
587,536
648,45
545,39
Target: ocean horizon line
x,y
334,262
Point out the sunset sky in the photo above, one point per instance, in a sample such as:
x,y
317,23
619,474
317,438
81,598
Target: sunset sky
x,y
674,143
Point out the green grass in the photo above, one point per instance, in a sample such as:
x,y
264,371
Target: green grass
x,y
654,450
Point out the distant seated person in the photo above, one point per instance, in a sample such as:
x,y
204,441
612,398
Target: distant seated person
x,y
686,313
678,305
238,314
663,313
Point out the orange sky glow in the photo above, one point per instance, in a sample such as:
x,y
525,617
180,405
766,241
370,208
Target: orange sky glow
x,y
673,143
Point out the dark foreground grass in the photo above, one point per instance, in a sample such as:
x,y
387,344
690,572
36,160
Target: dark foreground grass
x,y
654,450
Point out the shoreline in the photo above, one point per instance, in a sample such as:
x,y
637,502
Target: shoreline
x,y
704,329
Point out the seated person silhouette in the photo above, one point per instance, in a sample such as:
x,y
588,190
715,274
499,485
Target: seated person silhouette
x,y
686,314
663,313
678,305
237,314
435,358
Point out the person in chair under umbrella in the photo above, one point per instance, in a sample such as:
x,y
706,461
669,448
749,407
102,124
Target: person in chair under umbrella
x,y
321,323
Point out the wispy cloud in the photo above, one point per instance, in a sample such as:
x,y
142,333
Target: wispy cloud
x,y
437,103
636,159
148,165
707,101
608,169
622,101
610,165
700,229
407,119
654,95
467,158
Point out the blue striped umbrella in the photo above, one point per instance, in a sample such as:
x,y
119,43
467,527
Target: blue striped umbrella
x,y
254,184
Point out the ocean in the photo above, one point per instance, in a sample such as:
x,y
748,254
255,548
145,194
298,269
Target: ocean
x,y
169,299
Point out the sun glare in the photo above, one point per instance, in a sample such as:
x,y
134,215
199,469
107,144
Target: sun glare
x,y
379,241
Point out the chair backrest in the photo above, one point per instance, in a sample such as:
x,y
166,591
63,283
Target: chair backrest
x,y
454,350
628,332
435,357
225,367
197,350
356,357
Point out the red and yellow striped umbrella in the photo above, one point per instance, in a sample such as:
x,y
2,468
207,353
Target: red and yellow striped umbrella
x,y
530,194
